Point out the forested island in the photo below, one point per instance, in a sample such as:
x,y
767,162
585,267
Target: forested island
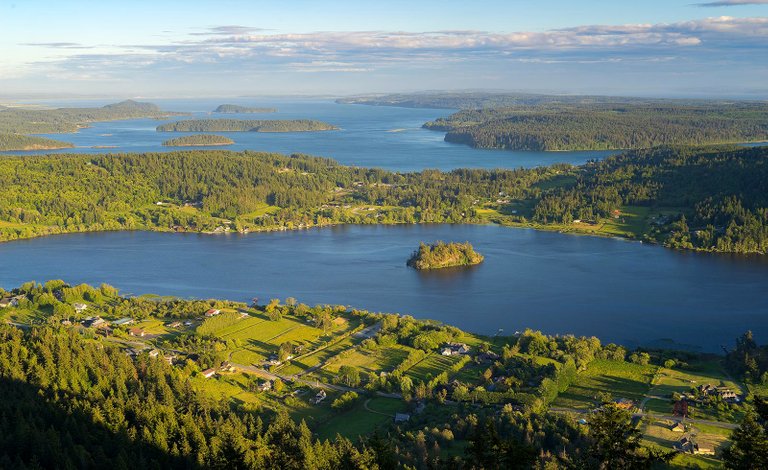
x,y
520,121
557,127
444,255
27,120
709,199
94,379
198,140
237,109
246,125
24,142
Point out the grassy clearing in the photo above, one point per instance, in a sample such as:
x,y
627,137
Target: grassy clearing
x,y
620,379
382,359
657,433
359,421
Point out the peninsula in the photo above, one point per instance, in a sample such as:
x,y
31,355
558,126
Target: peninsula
x,y
444,255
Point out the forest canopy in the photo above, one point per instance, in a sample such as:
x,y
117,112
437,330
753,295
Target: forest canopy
x,y
198,140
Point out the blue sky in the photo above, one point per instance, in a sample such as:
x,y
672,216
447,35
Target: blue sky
x,y
218,48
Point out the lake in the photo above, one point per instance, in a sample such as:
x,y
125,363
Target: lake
x,y
617,290
370,136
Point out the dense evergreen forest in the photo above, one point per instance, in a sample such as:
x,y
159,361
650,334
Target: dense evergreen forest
x,y
597,126
444,255
710,199
237,109
24,142
198,140
218,190
23,120
718,197
246,125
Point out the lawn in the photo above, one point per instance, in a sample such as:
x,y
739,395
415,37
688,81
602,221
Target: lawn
x,y
359,421
657,433
620,379
382,359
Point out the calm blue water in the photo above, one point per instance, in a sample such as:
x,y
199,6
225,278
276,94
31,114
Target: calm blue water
x,y
370,136
617,290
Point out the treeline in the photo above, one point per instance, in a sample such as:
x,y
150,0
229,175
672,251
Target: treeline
x,y
442,255
24,142
237,109
598,126
73,193
198,140
246,125
20,120
719,196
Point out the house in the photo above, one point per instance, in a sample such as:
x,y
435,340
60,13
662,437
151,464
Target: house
x,y
265,386
154,353
208,373
319,397
454,349
703,450
212,312
228,367
80,307
123,321
677,427
170,359
187,323
176,324
137,332
93,322
11,301
402,417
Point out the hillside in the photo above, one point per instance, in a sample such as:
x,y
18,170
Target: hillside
x,y
711,199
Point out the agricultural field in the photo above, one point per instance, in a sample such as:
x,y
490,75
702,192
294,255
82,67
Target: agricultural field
x,y
430,366
619,379
255,337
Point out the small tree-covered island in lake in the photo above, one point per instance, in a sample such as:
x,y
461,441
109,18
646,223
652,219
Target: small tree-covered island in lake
x,y
444,255
237,109
198,140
